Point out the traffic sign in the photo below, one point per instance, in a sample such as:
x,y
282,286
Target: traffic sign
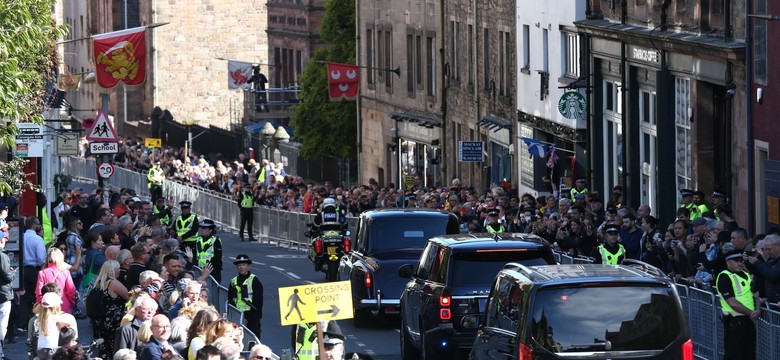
x,y
102,130
317,302
153,142
103,148
105,170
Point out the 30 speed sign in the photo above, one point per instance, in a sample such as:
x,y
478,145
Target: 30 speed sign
x,y
105,170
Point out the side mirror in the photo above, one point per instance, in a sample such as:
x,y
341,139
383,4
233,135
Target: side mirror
x,y
406,271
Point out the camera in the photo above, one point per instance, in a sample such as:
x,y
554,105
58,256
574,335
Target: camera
x,y
751,253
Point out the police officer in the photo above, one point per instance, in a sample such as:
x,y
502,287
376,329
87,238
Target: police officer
x,y
163,212
579,189
154,180
208,249
735,288
246,204
246,294
186,226
304,338
494,226
331,218
611,252
687,202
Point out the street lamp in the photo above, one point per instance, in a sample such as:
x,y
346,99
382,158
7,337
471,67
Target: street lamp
x,y
188,144
281,136
268,131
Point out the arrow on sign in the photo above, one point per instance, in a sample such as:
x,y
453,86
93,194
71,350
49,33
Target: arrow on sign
x,y
333,311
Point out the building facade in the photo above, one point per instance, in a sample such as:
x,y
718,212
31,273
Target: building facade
x,y
665,100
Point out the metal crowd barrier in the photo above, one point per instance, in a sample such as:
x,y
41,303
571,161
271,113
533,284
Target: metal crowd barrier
x,y
287,229
235,315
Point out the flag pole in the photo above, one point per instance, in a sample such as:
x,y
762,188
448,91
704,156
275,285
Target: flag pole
x,y
547,143
397,70
90,37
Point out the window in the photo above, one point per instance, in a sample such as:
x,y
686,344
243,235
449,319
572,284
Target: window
x,y
545,51
388,60
471,55
571,55
298,63
648,143
526,162
277,65
682,106
380,55
760,44
430,66
370,56
613,135
454,51
503,311
418,60
526,47
505,63
486,58
410,64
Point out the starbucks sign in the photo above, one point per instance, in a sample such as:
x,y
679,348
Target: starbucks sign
x,y
572,105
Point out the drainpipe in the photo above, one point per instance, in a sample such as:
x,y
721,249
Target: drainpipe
x,y
443,136
751,166
475,86
727,19
624,97
357,103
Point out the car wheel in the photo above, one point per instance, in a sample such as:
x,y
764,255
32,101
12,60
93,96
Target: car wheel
x,y
408,351
360,318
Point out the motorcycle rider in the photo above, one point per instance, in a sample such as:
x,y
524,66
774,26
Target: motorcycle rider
x,y
332,218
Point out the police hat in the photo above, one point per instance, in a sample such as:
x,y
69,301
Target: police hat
x,y
686,192
333,334
208,223
493,212
733,255
242,259
185,204
612,228
580,180
247,185
718,194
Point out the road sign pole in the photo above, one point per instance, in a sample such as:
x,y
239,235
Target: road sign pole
x,y
320,341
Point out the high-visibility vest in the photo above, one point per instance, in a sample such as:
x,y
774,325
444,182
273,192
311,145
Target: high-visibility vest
x,y
694,210
491,230
702,209
165,221
261,175
205,249
48,234
575,192
151,177
241,304
247,201
309,350
182,227
742,293
609,258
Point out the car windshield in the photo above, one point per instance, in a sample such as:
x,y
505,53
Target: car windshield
x,y
402,232
480,268
605,318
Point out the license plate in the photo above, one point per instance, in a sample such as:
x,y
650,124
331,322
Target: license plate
x,y
333,250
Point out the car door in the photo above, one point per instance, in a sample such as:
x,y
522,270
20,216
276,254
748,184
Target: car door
x,y
497,339
347,264
415,291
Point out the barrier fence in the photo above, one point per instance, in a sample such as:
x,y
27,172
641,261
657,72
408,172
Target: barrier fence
x,y
702,307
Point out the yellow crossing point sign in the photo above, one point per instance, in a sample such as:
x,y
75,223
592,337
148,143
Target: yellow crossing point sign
x,y
317,302
153,142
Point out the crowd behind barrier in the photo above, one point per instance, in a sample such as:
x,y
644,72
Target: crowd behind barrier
x,y
287,229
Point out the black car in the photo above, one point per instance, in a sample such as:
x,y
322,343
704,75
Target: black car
x,y
385,240
583,312
442,303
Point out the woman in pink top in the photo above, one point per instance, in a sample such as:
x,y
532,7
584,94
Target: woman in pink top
x,y
57,271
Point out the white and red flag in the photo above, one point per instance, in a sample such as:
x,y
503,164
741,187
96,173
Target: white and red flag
x,y
239,73
343,81
120,56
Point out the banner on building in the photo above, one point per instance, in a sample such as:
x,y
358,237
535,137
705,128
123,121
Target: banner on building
x,y
239,73
342,81
120,56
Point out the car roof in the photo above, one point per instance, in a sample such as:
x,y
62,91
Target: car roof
x,y
488,241
584,273
391,212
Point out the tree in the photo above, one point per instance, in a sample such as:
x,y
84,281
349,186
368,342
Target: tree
x,y
28,59
322,126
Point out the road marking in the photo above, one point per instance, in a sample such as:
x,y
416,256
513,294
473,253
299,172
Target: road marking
x,y
296,277
310,282
277,268
398,330
360,344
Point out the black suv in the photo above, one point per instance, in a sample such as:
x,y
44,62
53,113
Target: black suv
x,y
590,311
447,293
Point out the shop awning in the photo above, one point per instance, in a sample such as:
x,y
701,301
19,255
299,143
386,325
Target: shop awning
x,y
421,120
495,123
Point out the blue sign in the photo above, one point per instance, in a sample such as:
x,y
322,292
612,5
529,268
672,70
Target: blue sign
x,y
471,151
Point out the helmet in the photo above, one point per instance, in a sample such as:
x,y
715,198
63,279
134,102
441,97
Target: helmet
x,y
328,203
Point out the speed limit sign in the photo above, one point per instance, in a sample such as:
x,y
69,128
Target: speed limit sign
x,y
105,170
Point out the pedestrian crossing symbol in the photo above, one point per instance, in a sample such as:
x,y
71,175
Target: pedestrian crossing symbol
x,y
317,302
102,129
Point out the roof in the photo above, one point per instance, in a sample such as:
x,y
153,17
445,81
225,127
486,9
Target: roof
x,y
584,273
490,241
390,212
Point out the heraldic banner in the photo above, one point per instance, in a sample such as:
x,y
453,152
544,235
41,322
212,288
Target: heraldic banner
x,y
120,56
343,81
239,73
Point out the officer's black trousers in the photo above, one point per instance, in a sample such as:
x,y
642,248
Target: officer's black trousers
x,y
247,219
739,340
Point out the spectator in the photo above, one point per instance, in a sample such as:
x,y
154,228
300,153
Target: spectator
x,y
158,343
50,320
124,354
144,308
57,272
178,338
631,237
196,335
114,296
769,268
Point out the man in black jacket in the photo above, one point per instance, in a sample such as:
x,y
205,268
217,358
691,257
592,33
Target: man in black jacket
x,y
127,336
7,275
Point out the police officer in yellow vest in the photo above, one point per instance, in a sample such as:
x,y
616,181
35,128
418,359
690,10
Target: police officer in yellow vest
x,y
186,227
687,202
163,212
246,293
304,338
246,205
579,189
494,225
208,249
610,252
736,291
154,180
701,202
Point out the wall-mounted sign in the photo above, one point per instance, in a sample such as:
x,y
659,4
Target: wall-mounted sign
x,y
67,144
471,151
647,55
29,140
572,105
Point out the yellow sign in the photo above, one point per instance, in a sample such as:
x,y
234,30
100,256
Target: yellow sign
x,y
317,302
153,142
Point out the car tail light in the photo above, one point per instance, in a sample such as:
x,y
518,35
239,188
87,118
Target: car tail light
x,y
368,281
687,350
347,244
445,301
526,353
445,313
318,246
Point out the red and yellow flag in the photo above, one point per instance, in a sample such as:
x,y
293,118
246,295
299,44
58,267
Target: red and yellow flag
x,y
120,56
343,81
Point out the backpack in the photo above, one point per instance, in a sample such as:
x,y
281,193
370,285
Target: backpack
x,y
94,303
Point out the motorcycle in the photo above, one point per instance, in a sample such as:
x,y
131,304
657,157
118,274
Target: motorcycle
x,y
326,249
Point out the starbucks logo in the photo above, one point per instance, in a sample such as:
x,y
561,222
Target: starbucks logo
x,y
572,105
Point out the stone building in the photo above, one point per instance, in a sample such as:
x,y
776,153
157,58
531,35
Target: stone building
x,y
665,100
293,36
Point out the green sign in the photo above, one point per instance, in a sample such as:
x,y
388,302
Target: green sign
x,y
572,105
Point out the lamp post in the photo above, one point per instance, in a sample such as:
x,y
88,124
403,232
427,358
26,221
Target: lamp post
x,y
188,144
268,131
281,136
